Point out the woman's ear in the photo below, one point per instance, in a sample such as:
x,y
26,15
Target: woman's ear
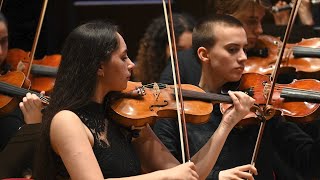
x,y
203,54
100,71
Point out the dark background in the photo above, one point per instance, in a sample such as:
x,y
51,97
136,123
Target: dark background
x,y
63,15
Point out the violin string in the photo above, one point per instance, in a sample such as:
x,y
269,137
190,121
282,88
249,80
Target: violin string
x,y
150,85
21,91
311,92
13,89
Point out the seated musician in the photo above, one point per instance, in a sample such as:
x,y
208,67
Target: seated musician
x,y
153,52
250,13
28,112
81,141
220,48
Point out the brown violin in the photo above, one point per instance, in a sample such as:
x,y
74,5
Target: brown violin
x,y
24,61
305,58
141,104
43,71
14,85
297,101
301,58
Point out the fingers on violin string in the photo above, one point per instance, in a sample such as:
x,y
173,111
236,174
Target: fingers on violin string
x,y
32,100
36,101
241,100
244,98
234,98
22,107
26,102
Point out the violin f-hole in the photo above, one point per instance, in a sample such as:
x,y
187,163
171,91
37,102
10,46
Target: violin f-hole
x,y
160,104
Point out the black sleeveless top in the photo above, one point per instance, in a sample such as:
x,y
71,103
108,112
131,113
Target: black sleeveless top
x,y
112,144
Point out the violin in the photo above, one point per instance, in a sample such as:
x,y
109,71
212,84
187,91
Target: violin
x,y
43,71
301,58
24,61
13,85
141,104
305,58
297,101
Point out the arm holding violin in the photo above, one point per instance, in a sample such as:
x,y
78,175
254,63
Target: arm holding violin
x,y
206,157
281,18
305,13
29,113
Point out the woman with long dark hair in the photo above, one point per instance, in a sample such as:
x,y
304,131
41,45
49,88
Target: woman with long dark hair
x,y
79,139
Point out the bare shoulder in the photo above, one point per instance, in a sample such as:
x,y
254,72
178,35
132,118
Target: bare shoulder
x,y
66,127
63,119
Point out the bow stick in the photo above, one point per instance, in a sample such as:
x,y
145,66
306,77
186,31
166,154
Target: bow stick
x,y
273,78
176,76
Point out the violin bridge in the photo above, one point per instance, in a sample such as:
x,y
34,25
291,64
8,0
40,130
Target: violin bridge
x,y
158,102
156,90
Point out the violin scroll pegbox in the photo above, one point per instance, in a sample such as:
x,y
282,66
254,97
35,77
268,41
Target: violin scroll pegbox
x,y
137,92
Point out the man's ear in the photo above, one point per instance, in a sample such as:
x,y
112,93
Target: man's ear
x,y
100,71
203,54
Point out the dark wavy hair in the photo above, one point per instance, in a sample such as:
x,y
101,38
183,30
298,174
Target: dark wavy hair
x,y
85,48
151,56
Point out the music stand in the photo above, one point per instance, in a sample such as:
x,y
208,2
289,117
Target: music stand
x,y
18,153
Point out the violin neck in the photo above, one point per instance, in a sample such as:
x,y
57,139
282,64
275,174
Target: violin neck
x,y
44,70
299,51
11,90
300,95
208,97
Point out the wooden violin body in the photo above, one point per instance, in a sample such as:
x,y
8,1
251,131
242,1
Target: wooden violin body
x,y
140,105
297,101
9,103
305,58
43,71
12,86
302,58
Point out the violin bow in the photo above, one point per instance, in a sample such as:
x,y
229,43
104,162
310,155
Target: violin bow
x,y
176,77
273,78
36,38
1,3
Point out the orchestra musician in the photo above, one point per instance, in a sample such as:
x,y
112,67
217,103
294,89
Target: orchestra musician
x,y
153,52
250,13
28,111
220,48
80,141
